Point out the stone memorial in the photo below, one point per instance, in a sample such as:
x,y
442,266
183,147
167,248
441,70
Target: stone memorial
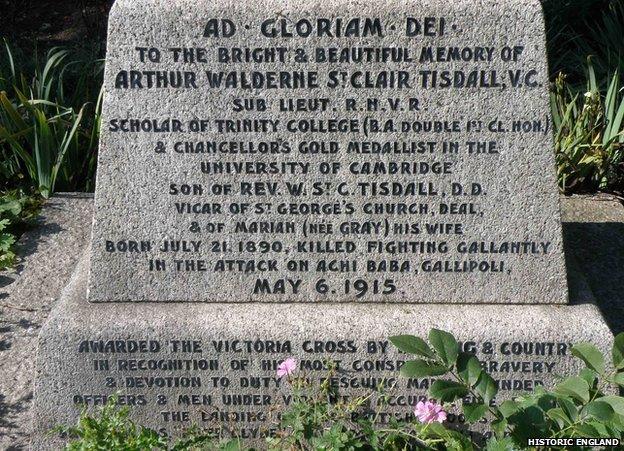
x,y
306,179
345,156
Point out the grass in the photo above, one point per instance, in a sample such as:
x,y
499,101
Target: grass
x,y
49,130
586,54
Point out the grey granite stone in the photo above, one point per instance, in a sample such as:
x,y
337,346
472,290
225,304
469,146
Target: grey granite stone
x,y
537,339
593,231
48,256
594,237
213,363
144,175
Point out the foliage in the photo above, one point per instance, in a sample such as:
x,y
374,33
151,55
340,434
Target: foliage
x,y
578,406
17,210
589,135
48,127
7,240
589,158
317,418
112,429
577,29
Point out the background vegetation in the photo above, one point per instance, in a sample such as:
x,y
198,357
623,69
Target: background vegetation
x,y
51,67
586,55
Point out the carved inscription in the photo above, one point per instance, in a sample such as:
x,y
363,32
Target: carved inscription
x,y
347,157
231,386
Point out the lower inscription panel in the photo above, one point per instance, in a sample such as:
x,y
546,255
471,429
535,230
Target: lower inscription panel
x,y
215,365
231,386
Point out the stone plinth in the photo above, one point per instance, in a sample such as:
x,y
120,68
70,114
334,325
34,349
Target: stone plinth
x,y
523,346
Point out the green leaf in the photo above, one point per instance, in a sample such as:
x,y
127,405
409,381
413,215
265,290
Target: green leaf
x,y
619,379
435,430
67,141
544,399
568,407
618,423
412,345
447,391
589,376
453,440
559,416
530,422
600,410
469,368
499,427
6,241
618,351
508,408
592,357
232,445
504,444
586,430
14,207
616,402
574,387
420,368
445,346
486,387
474,412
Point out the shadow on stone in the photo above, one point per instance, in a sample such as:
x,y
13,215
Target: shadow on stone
x,y
28,246
33,238
8,410
8,415
597,248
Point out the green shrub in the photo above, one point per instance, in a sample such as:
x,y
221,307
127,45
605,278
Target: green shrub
x,y
7,240
17,211
317,419
589,135
111,430
46,141
579,406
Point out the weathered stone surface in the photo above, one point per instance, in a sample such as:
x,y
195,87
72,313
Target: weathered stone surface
x,y
48,256
497,98
214,364
593,232
535,340
591,225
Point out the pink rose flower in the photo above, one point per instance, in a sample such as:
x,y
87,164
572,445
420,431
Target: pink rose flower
x,y
429,412
287,367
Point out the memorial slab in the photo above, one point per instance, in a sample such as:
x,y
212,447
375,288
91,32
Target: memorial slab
x,y
327,151
309,179
214,365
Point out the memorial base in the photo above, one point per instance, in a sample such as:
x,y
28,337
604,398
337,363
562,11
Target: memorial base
x,y
214,365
